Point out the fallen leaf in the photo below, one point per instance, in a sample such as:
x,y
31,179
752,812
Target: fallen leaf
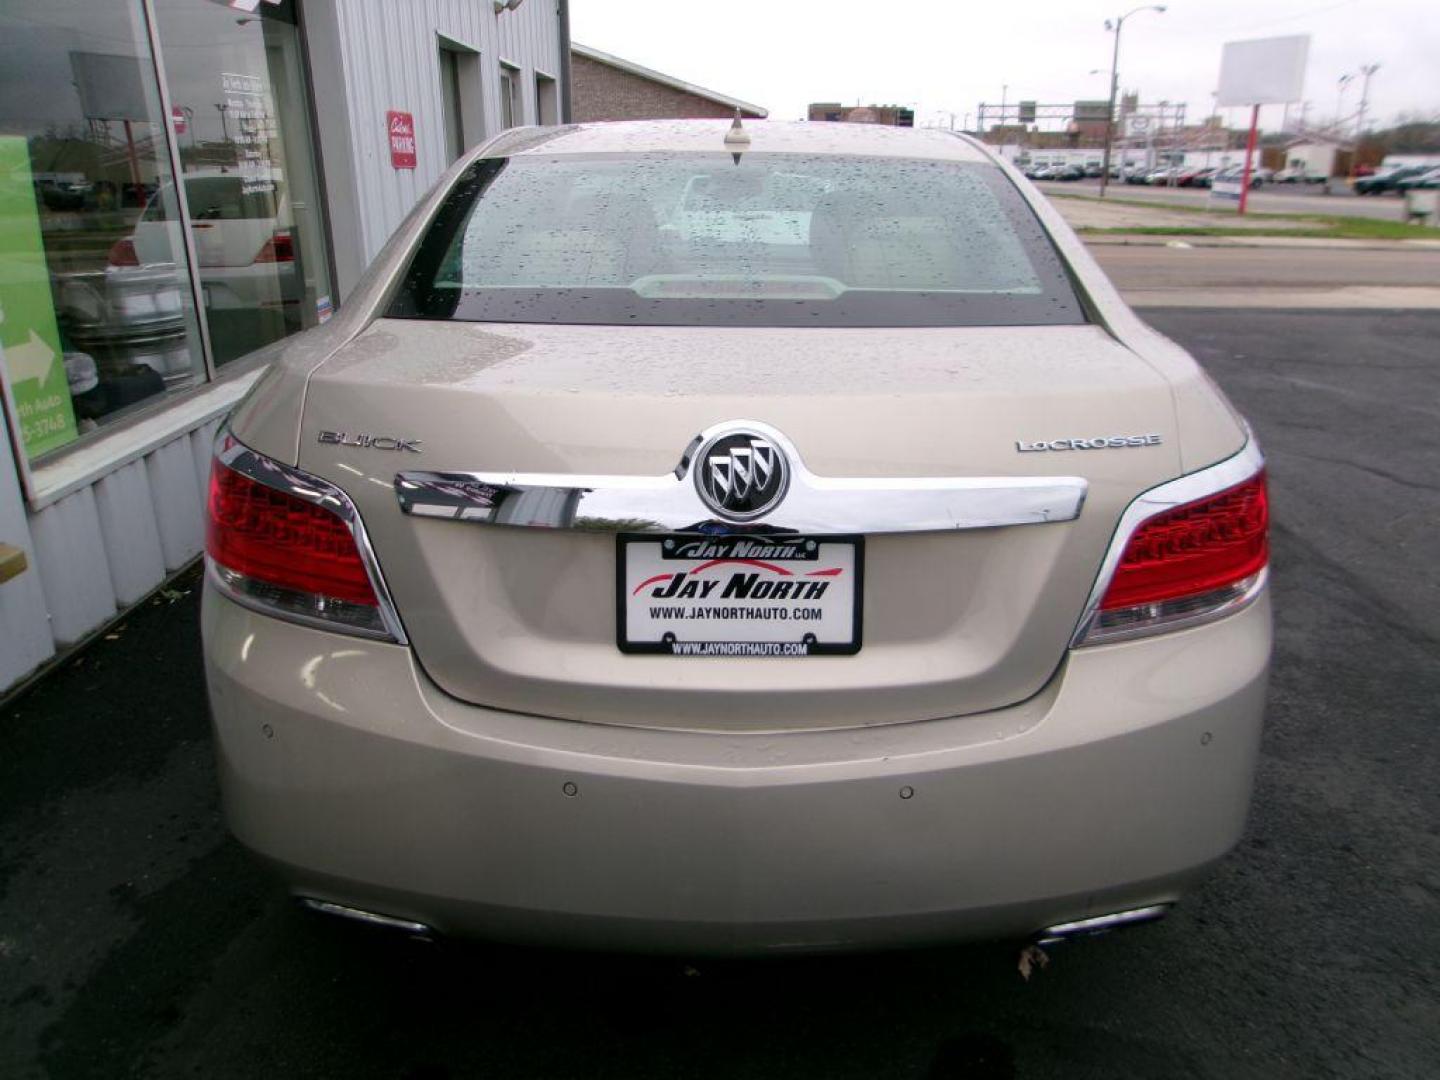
x,y
1032,958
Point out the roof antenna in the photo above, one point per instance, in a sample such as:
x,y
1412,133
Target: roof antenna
x,y
737,138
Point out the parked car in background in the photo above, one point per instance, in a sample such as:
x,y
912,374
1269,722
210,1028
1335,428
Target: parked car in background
x,y
1234,174
611,574
1298,174
1387,180
1069,173
1420,181
245,250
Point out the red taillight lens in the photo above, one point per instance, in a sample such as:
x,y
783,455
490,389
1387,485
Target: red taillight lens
x,y
279,248
276,539
122,253
1197,548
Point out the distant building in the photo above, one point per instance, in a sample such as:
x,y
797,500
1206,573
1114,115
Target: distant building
x,y
888,115
605,87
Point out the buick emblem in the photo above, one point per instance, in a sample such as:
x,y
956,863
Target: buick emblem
x,y
741,475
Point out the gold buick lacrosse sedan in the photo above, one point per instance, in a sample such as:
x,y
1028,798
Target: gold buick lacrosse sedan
x,y
699,538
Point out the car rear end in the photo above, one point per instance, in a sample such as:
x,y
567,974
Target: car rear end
x,y
680,544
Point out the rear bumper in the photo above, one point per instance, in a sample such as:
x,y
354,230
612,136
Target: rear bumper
x,y
1115,787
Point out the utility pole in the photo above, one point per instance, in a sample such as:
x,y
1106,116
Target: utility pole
x,y
1116,26
1366,70
1341,84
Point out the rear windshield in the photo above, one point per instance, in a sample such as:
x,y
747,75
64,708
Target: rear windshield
x,y
705,240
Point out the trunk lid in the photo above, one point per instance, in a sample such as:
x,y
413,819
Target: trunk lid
x,y
524,619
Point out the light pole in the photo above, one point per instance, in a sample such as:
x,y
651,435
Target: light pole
x,y
1115,86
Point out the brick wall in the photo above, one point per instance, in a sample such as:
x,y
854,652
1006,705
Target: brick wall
x,y
601,92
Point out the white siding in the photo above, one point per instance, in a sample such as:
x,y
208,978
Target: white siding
x,y
132,539
73,566
202,441
100,548
24,629
389,53
171,473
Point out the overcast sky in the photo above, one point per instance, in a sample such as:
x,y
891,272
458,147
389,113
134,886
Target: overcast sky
x,y
951,54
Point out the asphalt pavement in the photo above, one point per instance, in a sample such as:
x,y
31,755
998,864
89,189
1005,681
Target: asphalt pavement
x,y
136,939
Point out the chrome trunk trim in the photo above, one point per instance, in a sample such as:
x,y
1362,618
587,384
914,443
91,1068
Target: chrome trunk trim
x,y
670,503
370,918
1098,924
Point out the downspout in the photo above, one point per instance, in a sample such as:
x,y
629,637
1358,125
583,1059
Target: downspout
x,y
562,11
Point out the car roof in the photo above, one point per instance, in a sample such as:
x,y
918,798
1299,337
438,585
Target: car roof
x,y
766,136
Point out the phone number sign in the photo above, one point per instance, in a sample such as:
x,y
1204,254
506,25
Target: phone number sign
x,y
401,126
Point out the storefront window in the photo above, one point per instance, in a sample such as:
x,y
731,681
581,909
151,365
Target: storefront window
x,y
97,296
96,308
237,79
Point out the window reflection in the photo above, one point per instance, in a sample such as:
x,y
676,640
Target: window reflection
x,y
89,328
249,171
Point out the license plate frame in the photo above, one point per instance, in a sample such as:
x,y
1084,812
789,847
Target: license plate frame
x,y
724,631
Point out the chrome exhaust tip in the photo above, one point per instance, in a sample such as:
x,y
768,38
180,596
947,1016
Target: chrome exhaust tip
x,y
369,918
1099,924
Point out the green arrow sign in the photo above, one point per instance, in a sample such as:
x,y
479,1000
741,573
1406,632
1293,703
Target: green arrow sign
x,y
29,340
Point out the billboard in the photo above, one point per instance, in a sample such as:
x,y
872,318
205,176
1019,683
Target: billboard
x,y
1263,71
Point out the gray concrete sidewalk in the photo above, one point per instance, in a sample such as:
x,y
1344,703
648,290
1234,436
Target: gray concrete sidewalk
x,y
1296,242
1088,212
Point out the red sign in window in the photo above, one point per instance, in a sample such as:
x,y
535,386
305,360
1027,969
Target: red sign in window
x,y
401,126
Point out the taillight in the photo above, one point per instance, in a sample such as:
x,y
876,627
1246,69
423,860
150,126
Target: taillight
x,y
290,544
122,253
279,248
1184,564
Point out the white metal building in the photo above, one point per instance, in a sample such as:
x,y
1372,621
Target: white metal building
x,y
133,304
